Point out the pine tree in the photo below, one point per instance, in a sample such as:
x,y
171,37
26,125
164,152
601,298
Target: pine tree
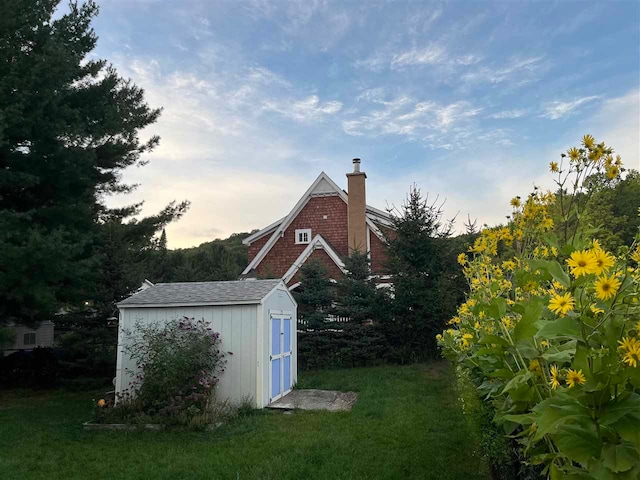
x,y
315,295
69,125
416,265
357,295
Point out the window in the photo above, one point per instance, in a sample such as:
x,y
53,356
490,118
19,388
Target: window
x,y
29,339
303,235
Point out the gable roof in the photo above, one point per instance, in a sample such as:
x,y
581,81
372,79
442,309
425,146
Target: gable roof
x,y
322,186
318,242
202,293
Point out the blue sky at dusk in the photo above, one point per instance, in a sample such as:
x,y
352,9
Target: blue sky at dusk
x,y
470,100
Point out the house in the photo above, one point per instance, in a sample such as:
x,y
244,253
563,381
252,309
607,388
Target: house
x,y
28,338
326,224
256,320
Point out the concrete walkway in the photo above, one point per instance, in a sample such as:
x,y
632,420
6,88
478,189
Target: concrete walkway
x,y
330,400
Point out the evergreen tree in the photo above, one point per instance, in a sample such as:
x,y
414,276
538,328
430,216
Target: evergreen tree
x,y
315,295
69,125
416,252
357,295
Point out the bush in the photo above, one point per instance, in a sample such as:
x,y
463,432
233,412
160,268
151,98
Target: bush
x,y
179,364
550,336
346,345
502,454
37,368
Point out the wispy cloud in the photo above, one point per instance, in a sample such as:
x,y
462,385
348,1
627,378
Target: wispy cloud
x,y
555,110
517,70
306,110
433,54
508,114
437,125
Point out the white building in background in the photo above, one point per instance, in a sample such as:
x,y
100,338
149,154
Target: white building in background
x,y
30,338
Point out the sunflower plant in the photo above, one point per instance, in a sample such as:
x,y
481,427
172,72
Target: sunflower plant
x,y
550,329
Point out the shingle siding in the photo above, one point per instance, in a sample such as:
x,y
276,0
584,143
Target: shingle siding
x,y
333,229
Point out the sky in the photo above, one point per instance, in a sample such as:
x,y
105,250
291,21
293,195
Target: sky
x,y
469,100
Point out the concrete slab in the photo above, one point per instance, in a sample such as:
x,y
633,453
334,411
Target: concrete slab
x,y
329,400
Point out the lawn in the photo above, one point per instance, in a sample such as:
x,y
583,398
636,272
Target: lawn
x,y
406,424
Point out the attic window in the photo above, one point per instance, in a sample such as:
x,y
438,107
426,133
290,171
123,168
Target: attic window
x,y
303,236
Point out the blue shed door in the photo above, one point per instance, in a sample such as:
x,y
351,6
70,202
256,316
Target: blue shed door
x,y
280,356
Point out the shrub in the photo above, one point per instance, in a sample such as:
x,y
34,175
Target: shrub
x,y
178,364
345,345
37,368
550,336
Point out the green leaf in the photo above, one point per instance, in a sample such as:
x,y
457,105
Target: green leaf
x,y
518,387
554,269
620,407
526,327
580,443
628,427
619,458
554,412
560,354
562,327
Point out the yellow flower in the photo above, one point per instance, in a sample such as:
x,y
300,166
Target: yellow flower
x,y
555,377
574,154
439,337
462,259
595,309
588,141
582,263
544,344
635,256
632,356
604,260
553,166
613,171
515,202
101,403
574,378
561,304
509,265
606,288
628,343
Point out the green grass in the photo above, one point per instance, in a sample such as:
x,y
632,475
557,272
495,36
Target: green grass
x,y
406,424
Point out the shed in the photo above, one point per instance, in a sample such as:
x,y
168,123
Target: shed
x,y
256,320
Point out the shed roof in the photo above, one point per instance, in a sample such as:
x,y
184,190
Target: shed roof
x,y
202,293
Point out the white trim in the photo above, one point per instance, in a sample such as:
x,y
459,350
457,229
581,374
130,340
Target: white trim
x,y
295,285
317,243
261,233
194,304
282,286
302,231
290,352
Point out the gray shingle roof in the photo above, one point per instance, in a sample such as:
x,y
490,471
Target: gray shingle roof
x,y
244,291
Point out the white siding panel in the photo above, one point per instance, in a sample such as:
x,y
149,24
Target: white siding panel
x,y
236,325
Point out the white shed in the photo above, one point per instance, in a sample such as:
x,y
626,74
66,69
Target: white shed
x,y
256,320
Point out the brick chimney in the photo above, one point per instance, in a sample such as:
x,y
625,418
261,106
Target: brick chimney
x,y
356,209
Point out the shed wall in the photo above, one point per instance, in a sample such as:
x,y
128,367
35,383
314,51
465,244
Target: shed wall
x,y
237,327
